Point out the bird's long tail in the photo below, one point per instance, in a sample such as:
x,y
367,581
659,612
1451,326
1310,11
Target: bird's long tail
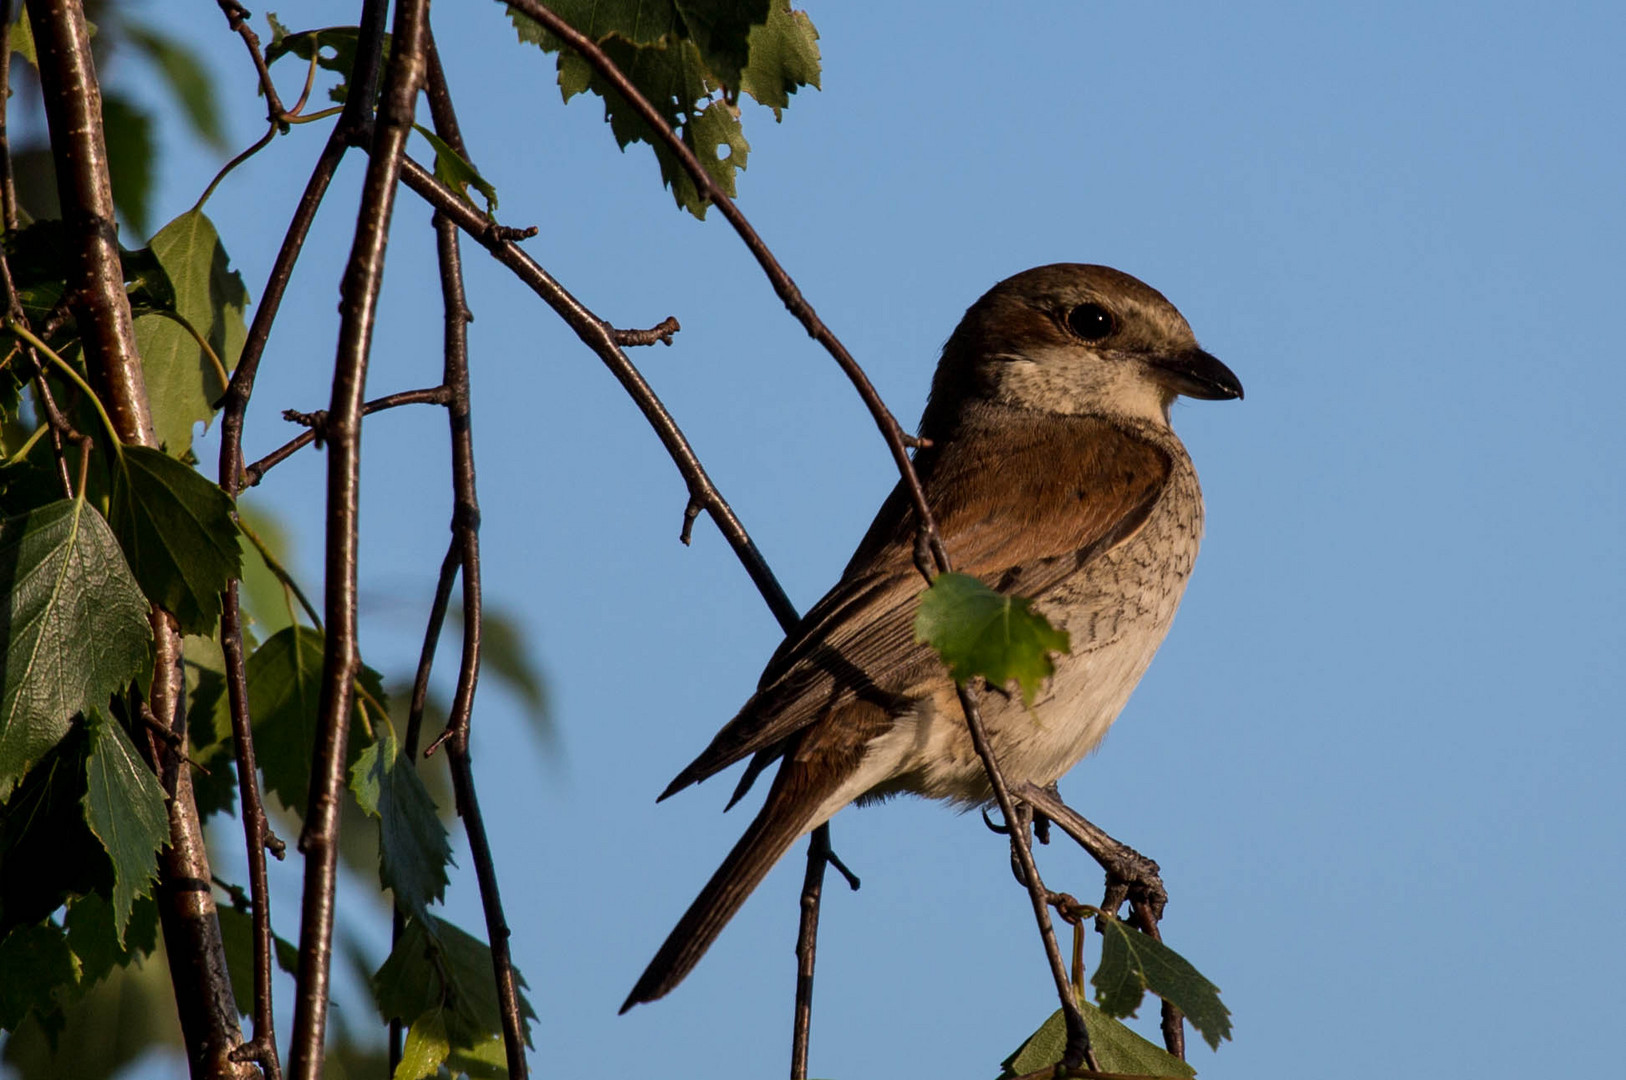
x,y
791,809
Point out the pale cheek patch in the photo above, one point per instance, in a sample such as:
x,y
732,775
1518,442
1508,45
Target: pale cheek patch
x,y
1080,384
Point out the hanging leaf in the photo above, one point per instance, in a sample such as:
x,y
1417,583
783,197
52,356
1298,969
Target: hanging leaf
x,y
426,1047
413,850
74,632
128,132
284,698
184,381
34,961
978,631
437,968
47,851
188,79
93,935
126,809
1133,962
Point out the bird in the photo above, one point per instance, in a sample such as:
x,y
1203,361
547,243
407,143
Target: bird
x,y
1048,462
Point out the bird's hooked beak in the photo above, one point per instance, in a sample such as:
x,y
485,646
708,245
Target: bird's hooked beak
x,y
1196,374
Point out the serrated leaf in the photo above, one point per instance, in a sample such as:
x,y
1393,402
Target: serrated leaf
x,y
456,173
73,632
784,58
35,963
177,533
189,82
435,966
413,850
183,383
126,809
1133,962
131,154
425,1048
721,30
47,852
284,696
978,631
1118,1048
94,938
237,938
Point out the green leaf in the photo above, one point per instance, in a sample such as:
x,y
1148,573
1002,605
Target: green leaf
x,y
425,1049
35,965
453,170
334,48
208,726
237,936
978,631
22,39
177,532
74,629
130,157
284,696
1119,1049
413,850
47,851
784,58
1133,962
721,30
183,382
188,80
93,935
125,808
436,967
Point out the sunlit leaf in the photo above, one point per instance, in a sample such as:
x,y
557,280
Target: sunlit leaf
x,y
126,809
425,1048
1117,1048
978,631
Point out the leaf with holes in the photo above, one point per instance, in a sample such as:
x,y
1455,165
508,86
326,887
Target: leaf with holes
x,y
412,849
73,630
125,808
784,58
177,532
185,380
978,631
1133,962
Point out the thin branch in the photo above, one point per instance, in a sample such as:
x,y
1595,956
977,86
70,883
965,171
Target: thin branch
x,y
891,431
237,17
8,183
315,422
466,531
359,305
661,332
598,335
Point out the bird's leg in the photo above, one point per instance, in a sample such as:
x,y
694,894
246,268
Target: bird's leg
x,y
1131,877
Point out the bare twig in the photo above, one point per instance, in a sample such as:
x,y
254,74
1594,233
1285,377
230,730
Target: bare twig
x,y
466,531
661,332
253,474
362,279
891,431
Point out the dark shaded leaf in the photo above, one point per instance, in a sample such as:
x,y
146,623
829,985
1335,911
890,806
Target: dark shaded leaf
x,y
47,851
130,157
35,965
74,629
436,967
188,80
334,48
978,631
1133,962
94,937
178,535
284,691
413,851
183,382
126,809
1119,1049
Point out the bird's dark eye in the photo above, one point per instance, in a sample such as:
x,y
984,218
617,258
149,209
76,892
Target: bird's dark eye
x,y
1091,322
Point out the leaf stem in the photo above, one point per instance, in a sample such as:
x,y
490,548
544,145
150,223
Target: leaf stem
x,y
73,376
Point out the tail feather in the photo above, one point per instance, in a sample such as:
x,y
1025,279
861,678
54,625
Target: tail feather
x,y
784,817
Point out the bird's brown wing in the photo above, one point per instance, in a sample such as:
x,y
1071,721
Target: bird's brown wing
x,y
1020,505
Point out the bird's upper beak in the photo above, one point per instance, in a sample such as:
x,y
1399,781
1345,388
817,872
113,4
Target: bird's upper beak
x,y
1195,373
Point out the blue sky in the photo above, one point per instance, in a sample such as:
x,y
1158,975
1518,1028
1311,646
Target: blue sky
x,y
1379,755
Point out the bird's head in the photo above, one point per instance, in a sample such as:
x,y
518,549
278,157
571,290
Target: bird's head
x,y
1076,339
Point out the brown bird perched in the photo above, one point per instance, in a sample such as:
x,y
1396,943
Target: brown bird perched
x,y
1052,473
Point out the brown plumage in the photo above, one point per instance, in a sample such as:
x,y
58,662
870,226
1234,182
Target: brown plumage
x,y
1052,473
